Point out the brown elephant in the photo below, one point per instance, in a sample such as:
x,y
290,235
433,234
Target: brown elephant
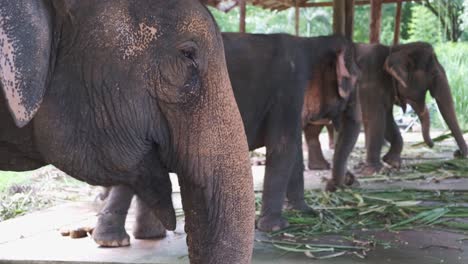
x,y
400,75
117,92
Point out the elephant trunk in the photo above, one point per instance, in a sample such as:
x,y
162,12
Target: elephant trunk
x,y
424,117
213,166
441,92
219,202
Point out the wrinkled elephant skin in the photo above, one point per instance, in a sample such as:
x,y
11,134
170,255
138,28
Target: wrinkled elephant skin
x,y
269,91
119,93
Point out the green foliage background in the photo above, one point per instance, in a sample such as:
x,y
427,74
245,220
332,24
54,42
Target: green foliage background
x,y
418,24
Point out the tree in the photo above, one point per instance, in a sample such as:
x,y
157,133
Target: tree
x,y
424,26
464,17
449,13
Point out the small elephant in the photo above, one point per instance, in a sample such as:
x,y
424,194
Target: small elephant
x,y
117,92
399,75
269,75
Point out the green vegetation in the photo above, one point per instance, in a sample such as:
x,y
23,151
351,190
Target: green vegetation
x,y
346,221
8,178
22,193
453,56
429,20
348,214
419,23
424,26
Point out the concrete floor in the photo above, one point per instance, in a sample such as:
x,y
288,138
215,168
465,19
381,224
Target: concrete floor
x,y
35,238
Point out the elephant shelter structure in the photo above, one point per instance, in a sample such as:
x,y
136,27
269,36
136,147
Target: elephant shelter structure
x,y
35,238
343,13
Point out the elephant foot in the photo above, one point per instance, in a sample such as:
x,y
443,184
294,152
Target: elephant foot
x,y
459,155
319,165
149,228
333,185
370,169
350,179
393,160
110,231
271,223
299,205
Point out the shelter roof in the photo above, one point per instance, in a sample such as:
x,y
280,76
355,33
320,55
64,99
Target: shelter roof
x,y
279,5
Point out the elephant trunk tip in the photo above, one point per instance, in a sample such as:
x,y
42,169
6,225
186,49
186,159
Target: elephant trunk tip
x,y
429,142
167,216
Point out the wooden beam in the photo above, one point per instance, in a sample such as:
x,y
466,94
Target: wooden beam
x,y
396,35
357,2
376,21
349,19
243,11
297,17
339,14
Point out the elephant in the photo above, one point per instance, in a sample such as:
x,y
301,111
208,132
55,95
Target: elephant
x,y
269,75
400,75
119,93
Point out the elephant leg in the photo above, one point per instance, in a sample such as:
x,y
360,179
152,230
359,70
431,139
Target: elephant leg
x,y
375,133
110,228
347,137
295,193
147,224
283,143
331,136
393,135
277,174
154,206
316,159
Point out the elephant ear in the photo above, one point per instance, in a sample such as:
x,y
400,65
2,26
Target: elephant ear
x,y
25,48
342,75
397,66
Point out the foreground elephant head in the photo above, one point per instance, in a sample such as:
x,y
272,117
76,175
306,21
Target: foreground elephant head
x,y
416,70
120,92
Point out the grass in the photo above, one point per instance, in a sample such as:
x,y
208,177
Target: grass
x,y
349,216
22,193
348,211
8,178
439,138
453,56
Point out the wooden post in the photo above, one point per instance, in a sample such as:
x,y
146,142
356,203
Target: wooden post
x,y
297,17
376,21
339,13
243,12
349,20
396,36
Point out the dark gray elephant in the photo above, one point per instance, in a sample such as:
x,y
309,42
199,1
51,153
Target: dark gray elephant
x,y
120,92
269,74
400,75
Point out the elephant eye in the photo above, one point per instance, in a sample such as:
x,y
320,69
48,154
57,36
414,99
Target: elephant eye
x,y
188,54
189,51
